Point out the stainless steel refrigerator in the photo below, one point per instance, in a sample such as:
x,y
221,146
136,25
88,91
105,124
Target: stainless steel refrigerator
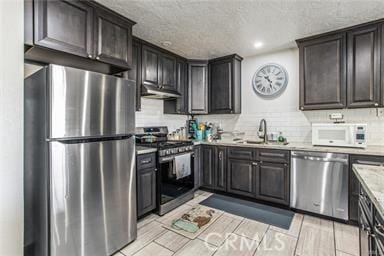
x,y
80,183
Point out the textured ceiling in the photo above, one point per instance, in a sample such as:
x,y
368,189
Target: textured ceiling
x,y
211,28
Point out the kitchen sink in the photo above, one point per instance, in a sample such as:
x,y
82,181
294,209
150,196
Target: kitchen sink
x,y
258,142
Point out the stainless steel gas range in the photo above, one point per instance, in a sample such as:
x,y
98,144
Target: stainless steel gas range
x,y
173,189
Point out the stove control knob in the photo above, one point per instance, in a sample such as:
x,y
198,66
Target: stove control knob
x,y
162,153
167,152
181,149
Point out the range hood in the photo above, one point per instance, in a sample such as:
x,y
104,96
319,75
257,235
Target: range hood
x,y
155,92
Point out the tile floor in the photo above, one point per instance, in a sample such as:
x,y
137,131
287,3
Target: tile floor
x,y
234,235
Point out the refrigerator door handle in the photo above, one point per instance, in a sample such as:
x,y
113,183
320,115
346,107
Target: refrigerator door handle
x,y
92,139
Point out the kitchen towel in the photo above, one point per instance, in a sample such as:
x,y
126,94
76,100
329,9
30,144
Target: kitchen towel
x,y
182,165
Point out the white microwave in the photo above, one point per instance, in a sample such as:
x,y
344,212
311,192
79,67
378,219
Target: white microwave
x,y
339,135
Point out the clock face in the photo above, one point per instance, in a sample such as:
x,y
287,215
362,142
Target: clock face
x,y
270,80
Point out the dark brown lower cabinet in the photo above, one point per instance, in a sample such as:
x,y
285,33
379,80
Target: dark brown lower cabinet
x,y
354,184
146,184
214,167
221,166
241,178
207,165
272,182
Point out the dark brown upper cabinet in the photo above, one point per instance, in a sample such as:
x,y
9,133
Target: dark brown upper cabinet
x,y
82,34
198,87
168,71
64,26
364,67
113,38
179,105
151,66
135,72
225,85
323,72
343,68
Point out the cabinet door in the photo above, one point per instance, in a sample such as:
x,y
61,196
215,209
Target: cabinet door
x,y
382,64
198,88
197,165
363,67
273,182
113,39
135,72
168,71
208,160
323,72
354,183
241,177
151,66
64,26
146,191
179,105
220,99
221,169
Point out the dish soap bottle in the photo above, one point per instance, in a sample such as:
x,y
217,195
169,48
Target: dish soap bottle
x,y
280,139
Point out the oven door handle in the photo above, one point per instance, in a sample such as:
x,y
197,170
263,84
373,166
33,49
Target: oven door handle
x,y
172,158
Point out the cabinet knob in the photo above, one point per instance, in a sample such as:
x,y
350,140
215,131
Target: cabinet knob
x,y
98,58
302,108
376,104
90,56
255,164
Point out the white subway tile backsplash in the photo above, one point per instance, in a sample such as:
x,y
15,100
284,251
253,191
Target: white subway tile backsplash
x,y
294,124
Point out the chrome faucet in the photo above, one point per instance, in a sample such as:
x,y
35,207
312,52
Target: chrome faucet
x,y
263,130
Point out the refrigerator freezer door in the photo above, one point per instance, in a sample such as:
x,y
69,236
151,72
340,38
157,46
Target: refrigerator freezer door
x,y
84,103
93,197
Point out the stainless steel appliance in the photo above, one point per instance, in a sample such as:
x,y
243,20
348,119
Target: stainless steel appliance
x,y
319,183
339,134
159,92
80,187
172,192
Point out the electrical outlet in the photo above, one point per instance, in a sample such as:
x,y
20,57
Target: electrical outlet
x,y
380,112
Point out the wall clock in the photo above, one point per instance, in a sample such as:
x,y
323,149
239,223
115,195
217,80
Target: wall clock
x,y
270,80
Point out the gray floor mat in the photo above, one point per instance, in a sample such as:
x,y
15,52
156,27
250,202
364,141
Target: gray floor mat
x,y
263,213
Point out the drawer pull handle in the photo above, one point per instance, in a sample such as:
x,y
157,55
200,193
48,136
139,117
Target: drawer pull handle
x,y
145,161
272,154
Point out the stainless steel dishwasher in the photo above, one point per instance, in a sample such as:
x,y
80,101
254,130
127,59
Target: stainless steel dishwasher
x,y
319,183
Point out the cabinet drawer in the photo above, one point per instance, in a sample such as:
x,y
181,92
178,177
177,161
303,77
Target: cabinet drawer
x,y
146,161
273,155
241,153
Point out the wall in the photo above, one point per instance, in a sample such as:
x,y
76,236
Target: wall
x,y
282,113
151,114
11,127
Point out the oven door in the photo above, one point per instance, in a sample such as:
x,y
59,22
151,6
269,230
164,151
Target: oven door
x,y
172,189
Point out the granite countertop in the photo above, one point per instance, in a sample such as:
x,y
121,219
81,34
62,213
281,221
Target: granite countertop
x,y
144,150
372,180
370,150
